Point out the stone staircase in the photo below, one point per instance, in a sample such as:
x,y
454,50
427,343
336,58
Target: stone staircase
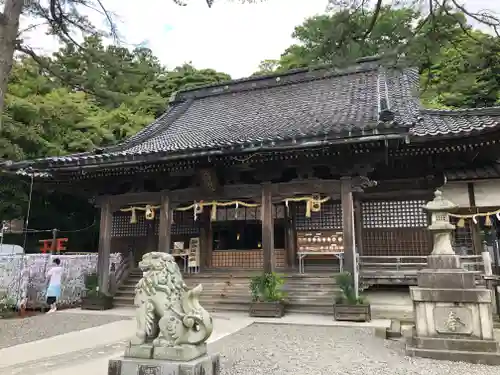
x,y
229,290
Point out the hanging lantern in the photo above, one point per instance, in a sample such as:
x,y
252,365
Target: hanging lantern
x,y
316,203
487,221
198,209
308,208
133,216
213,216
461,223
150,213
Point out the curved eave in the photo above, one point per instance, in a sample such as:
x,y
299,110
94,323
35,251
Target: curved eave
x,y
125,158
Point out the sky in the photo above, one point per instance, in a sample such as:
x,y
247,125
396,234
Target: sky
x,y
229,37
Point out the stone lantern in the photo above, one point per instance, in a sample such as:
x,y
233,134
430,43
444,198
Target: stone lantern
x,y
440,227
453,318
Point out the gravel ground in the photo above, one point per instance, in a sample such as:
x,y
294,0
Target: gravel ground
x,y
262,349
20,331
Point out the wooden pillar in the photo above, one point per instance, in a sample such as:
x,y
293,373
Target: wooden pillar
x,y
475,230
151,238
165,225
358,225
104,251
210,245
267,228
293,234
348,224
291,240
205,240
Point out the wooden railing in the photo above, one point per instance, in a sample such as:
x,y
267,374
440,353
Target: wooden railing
x,y
394,269
119,272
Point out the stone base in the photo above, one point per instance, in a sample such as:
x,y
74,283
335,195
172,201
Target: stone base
x,y
206,364
180,353
446,279
458,350
177,353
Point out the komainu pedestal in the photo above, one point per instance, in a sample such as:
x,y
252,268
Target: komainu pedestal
x,y
172,326
453,318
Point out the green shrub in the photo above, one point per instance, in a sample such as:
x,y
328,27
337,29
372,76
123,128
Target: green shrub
x,y
7,304
267,287
91,284
347,291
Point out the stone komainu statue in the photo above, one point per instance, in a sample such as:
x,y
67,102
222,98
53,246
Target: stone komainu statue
x,y
169,315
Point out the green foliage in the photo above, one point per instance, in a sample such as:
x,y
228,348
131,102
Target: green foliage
x,y
99,96
267,287
7,305
459,66
347,291
186,77
91,285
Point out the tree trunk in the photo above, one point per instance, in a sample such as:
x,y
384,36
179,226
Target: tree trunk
x,y
9,28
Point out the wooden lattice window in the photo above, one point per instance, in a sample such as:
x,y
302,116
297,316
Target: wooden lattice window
x,y
122,227
184,223
329,217
247,213
394,214
395,228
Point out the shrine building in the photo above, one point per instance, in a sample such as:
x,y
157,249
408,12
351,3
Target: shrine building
x,y
302,171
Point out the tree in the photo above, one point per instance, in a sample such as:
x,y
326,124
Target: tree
x,y
458,65
465,74
186,77
63,18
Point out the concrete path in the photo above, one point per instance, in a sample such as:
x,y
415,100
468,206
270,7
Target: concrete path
x,y
88,351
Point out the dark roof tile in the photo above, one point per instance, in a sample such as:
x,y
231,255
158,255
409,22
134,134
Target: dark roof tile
x,y
365,99
446,122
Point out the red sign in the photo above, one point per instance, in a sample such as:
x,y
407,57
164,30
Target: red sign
x,y
47,245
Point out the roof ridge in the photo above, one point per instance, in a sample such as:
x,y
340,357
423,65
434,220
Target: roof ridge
x,y
293,76
481,111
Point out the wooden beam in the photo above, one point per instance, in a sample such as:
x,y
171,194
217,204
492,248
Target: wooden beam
x,y
118,201
165,225
247,191
104,251
348,224
267,228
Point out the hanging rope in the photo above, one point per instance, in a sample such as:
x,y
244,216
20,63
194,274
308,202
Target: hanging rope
x,y
486,215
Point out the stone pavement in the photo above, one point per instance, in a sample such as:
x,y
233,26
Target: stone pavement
x,y
87,351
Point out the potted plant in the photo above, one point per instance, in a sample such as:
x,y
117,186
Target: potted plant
x,y
347,306
268,298
7,306
92,298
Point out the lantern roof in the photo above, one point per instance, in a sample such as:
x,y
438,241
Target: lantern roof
x,y
440,204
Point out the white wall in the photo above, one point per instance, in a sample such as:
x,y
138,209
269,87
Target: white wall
x,y
487,193
456,192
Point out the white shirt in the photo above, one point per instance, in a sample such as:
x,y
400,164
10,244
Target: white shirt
x,y
55,274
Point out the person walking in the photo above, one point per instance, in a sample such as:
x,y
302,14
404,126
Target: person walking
x,y
54,289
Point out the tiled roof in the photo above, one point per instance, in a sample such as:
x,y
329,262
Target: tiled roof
x,y
484,172
294,108
449,122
